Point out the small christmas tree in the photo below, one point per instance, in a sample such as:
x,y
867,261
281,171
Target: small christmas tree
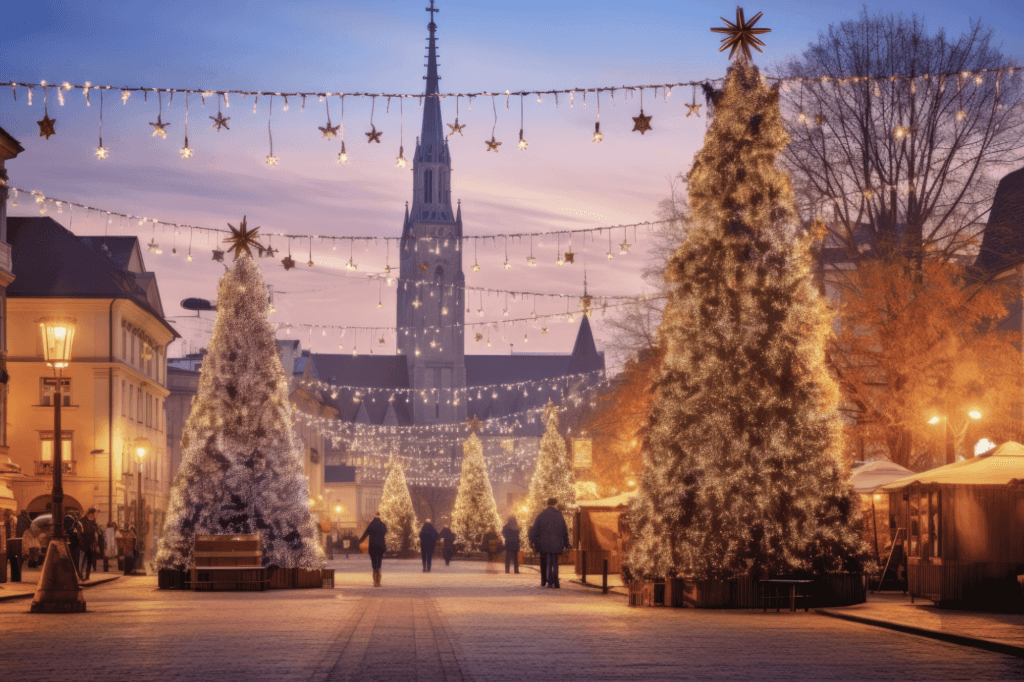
x,y
241,471
396,510
475,511
743,441
553,476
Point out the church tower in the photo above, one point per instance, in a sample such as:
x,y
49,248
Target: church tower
x,y
431,285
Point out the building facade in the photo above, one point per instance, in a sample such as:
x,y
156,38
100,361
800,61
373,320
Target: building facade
x,y
9,149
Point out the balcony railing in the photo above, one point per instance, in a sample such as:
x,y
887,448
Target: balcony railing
x,y
46,468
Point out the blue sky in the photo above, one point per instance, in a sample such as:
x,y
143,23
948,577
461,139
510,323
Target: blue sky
x,y
561,181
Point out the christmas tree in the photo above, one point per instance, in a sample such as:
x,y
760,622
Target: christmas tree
x,y
396,510
241,471
743,441
475,511
553,476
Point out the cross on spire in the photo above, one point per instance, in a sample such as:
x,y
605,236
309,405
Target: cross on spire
x,y
432,9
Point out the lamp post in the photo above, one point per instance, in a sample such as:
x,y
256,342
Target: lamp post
x,y
141,448
954,435
58,590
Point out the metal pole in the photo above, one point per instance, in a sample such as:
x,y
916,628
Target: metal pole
x,y
57,497
604,578
139,543
950,447
583,554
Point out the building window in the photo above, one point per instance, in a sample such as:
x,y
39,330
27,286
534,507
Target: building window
x,y
46,446
47,386
124,399
149,410
131,402
124,343
428,186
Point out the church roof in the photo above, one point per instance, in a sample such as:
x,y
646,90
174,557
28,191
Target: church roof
x,y
1002,245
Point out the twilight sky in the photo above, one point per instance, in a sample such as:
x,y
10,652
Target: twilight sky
x,y
562,181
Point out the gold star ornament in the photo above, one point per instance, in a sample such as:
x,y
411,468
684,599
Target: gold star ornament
x,y
474,424
742,35
243,239
328,130
159,128
492,144
641,123
46,126
220,121
288,262
373,135
455,127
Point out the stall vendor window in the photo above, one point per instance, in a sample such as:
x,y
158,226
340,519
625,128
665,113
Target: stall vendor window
x,y
926,524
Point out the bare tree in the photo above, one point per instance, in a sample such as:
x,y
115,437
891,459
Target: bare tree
x,y
898,137
432,502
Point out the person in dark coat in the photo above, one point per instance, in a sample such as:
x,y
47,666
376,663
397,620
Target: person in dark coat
x,y
24,523
511,535
71,532
377,531
428,539
88,543
550,535
448,536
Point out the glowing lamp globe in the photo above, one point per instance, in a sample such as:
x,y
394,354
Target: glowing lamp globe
x,y
974,414
934,420
142,446
58,336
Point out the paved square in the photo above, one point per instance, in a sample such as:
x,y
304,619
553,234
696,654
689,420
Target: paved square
x,y
455,623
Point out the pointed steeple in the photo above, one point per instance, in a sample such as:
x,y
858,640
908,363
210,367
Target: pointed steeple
x,y
433,126
585,357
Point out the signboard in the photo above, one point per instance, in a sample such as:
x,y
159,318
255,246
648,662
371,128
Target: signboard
x,y
582,457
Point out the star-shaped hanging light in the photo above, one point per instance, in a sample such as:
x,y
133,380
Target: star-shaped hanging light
x,y
742,35
522,143
598,135
186,151
373,135
46,126
218,255
242,239
159,128
271,160
269,252
492,144
153,246
328,130
570,257
101,152
220,121
693,109
288,262
624,246
455,127
641,123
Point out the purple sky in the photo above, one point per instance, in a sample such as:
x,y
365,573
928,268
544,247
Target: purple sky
x,y
562,181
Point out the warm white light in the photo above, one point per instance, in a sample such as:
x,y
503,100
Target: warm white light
x,y
58,337
974,414
983,446
934,420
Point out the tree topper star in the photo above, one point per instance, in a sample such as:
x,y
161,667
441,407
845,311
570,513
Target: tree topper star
x,y
742,35
46,126
641,123
373,135
220,121
550,410
455,127
474,424
242,239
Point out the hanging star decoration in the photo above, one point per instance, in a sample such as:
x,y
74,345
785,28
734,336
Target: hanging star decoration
x,y
152,245
288,262
101,152
46,126
693,109
271,160
624,246
641,123
373,135
159,128
522,143
492,144
474,424
543,330
479,337
570,257
456,128
242,239
186,151
220,121
269,252
328,130
218,255
742,35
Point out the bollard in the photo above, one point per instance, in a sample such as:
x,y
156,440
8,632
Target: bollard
x,y
604,578
584,555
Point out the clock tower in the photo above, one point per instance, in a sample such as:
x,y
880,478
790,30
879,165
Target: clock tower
x,y
431,285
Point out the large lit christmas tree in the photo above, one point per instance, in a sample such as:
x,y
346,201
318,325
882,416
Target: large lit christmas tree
x,y
397,512
553,475
241,471
742,451
475,511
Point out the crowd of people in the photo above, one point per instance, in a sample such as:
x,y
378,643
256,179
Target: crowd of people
x,y
548,536
88,543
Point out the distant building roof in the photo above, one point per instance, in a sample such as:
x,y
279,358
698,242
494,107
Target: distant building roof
x,y
51,262
1002,245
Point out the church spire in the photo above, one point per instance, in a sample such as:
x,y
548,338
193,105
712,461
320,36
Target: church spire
x,y
433,126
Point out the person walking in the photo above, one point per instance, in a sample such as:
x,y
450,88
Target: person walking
x,y
109,546
129,542
72,530
550,535
448,536
377,532
428,540
88,543
24,523
511,534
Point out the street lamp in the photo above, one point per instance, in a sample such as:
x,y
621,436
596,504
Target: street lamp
x,y
141,446
954,435
58,590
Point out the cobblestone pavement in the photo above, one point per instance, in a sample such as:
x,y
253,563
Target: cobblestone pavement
x,y
456,623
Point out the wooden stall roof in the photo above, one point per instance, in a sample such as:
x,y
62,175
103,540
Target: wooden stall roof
x,y
615,502
1003,465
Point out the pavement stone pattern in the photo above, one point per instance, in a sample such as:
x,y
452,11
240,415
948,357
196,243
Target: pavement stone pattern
x,y
455,623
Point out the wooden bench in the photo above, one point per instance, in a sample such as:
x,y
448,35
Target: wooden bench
x,y
782,588
228,562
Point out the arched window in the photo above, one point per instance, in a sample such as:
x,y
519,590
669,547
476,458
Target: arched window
x,y
428,186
